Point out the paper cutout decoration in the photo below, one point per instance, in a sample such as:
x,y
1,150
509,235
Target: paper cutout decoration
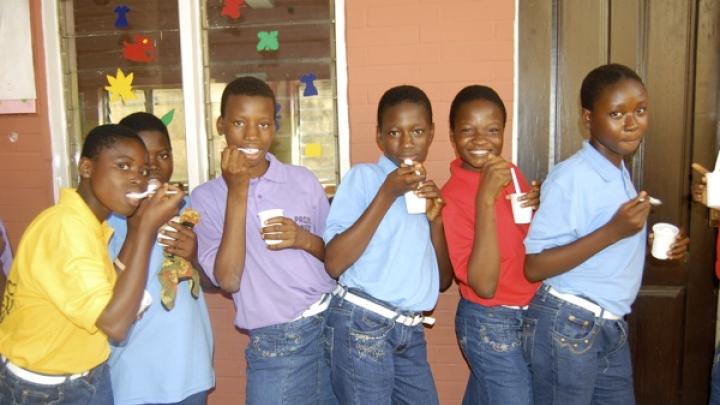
x,y
310,89
278,117
143,50
120,86
268,41
313,150
121,19
168,117
231,8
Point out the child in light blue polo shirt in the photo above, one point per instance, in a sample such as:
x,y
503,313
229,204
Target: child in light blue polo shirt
x,y
385,259
587,242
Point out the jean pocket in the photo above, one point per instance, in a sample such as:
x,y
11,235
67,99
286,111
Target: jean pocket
x,y
281,343
527,337
500,338
575,330
368,335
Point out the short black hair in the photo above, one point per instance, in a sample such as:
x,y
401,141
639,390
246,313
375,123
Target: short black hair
x,y
602,77
246,86
105,137
403,94
472,93
142,121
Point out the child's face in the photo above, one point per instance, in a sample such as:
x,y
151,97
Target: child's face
x,y
405,133
160,158
479,128
618,120
115,171
249,123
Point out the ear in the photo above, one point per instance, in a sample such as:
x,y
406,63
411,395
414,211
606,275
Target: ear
x,y
85,168
378,139
219,126
586,116
431,134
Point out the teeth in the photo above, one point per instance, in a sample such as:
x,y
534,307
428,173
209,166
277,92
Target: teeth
x,y
249,151
479,152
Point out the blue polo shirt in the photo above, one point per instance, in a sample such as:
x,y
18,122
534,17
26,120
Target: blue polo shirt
x,y
580,195
398,266
167,355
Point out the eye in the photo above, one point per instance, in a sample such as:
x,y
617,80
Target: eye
x,y
616,115
239,124
393,133
418,132
641,111
164,156
264,125
494,130
123,166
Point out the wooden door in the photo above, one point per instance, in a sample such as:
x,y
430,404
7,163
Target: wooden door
x,y
675,47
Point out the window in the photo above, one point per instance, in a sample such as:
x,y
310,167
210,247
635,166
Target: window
x,y
182,54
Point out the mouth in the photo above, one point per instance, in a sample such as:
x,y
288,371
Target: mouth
x,y
250,152
479,152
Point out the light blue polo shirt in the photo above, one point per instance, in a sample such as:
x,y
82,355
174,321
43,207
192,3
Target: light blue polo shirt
x,y
580,195
167,355
399,265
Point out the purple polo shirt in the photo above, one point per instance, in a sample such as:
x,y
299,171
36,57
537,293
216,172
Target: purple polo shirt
x,y
276,286
6,255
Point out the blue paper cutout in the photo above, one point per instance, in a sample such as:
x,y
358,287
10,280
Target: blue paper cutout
x,y
310,89
121,20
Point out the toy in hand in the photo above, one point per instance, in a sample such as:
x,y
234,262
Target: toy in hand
x,y
176,269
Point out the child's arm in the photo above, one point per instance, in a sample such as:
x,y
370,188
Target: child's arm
x,y
484,260
346,247
230,258
121,311
292,236
628,220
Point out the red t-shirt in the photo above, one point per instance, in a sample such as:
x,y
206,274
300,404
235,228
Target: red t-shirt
x,y
459,222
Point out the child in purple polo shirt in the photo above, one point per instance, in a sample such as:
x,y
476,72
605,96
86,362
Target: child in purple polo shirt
x,y
274,270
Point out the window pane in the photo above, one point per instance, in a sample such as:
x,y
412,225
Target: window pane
x,y
307,134
93,48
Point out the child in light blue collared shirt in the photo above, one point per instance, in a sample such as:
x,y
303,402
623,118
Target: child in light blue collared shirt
x,y
587,242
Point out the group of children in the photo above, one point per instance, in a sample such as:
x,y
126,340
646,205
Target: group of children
x,y
334,297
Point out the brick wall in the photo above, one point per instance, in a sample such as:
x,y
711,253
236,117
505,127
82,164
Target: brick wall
x,y
25,165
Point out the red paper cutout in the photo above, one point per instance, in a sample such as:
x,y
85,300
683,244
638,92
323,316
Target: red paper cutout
x,y
231,8
143,50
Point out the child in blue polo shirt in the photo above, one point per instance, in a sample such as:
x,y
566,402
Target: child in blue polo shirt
x,y
587,242
385,259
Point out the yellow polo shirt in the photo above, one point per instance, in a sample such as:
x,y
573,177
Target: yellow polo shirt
x,y
60,281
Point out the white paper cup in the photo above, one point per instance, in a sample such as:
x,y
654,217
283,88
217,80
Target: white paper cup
x,y
267,214
415,204
145,303
665,235
712,184
521,215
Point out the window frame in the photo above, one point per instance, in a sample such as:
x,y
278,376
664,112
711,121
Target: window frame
x,y
193,83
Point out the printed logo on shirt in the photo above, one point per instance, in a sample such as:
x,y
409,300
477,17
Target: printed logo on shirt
x,y
304,222
8,299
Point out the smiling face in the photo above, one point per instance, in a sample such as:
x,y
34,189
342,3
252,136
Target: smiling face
x,y
618,120
478,131
405,132
160,158
115,171
248,122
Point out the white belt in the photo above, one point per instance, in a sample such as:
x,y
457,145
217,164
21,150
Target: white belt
x,y
343,293
36,378
596,309
522,307
317,307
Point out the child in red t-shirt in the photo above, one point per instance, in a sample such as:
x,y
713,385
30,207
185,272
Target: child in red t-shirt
x,y
486,250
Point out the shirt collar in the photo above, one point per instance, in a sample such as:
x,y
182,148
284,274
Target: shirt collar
x,y
601,164
69,197
276,170
458,172
386,164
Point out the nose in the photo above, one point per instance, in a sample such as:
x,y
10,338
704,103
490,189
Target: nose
x,y
251,132
630,122
406,139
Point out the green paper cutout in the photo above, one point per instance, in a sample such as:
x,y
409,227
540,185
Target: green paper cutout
x,y
268,41
168,117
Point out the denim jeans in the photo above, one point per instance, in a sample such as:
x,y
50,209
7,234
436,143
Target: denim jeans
x,y
287,364
93,389
375,360
199,398
575,357
490,341
715,380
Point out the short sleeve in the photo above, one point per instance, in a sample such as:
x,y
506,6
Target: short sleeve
x,y
555,223
209,230
348,205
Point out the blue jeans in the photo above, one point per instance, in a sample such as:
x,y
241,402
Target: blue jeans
x,y
375,360
490,340
199,398
576,358
93,389
287,364
715,381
